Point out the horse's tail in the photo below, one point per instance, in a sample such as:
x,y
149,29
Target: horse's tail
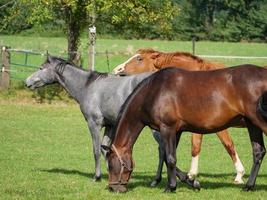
x,y
262,106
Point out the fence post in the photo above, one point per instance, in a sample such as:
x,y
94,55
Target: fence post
x,y
5,77
107,60
194,45
91,50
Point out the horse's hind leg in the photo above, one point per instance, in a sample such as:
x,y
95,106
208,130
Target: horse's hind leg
x,y
161,151
226,140
196,142
259,151
169,137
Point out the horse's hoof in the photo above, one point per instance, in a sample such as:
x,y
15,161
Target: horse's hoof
x,y
238,178
196,185
169,189
154,183
97,179
238,181
117,188
192,182
248,188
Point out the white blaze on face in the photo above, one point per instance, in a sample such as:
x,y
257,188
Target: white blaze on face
x,y
121,67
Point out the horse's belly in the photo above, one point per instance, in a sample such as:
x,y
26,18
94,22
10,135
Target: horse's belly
x,y
211,125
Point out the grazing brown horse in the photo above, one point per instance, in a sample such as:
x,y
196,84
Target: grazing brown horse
x,y
151,60
173,100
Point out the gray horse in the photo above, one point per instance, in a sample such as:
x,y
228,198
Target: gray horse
x,y
100,96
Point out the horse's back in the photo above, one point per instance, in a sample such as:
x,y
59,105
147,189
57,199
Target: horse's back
x,y
110,92
200,98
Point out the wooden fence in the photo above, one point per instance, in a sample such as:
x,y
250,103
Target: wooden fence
x,y
8,65
5,76
15,64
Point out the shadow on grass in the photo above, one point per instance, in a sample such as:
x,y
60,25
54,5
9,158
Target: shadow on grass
x,y
70,172
140,179
143,179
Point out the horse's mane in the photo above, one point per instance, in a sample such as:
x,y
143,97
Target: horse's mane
x,y
171,54
93,75
63,61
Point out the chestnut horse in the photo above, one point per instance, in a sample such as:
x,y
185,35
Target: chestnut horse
x,y
150,60
174,100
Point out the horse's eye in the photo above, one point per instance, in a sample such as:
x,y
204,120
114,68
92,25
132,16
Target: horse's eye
x,y
138,58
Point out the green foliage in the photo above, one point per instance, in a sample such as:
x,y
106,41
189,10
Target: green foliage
x,y
218,20
49,93
138,19
13,17
222,20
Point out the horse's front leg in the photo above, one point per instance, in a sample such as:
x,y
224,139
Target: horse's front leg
x,y
162,158
106,142
259,151
170,138
95,133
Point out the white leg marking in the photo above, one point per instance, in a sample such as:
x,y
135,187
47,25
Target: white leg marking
x,y
240,171
194,167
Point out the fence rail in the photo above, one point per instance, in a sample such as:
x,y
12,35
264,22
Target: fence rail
x,y
233,57
16,68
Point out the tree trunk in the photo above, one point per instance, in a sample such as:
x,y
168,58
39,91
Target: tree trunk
x,y
73,40
73,34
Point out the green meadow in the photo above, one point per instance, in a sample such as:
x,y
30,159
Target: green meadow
x,y
46,153
46,149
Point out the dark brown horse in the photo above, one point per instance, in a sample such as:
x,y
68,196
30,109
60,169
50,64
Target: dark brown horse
x,y
150,60
174,100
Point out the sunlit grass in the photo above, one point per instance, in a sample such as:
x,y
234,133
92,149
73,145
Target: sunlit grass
x,y
46,153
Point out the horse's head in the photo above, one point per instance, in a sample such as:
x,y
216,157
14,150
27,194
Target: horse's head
x,y
120,169
46,74
143,61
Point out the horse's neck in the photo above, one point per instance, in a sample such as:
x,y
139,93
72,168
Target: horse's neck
x,y
74,80
193,64
181,61
130,122
125,137
211,66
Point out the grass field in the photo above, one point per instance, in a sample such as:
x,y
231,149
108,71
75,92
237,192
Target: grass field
x,y
46,150
46,153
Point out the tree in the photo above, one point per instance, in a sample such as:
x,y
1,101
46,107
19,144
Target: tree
x,y
138,18
73,12
123,16
233,20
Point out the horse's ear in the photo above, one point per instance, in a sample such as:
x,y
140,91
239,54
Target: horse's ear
x,y
155,55
49,57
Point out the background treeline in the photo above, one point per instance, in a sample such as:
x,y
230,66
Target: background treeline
x,y
217,20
